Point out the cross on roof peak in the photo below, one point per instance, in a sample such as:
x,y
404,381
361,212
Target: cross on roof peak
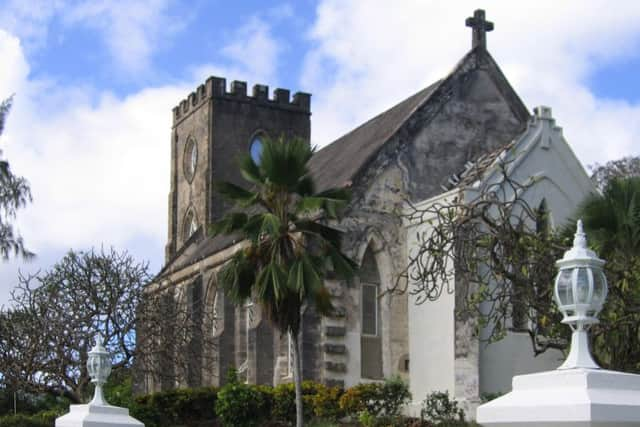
x,y
480,28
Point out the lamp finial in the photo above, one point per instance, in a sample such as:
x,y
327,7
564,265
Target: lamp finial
x,y
580,239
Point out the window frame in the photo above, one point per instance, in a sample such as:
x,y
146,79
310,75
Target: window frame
x,y
376,303
188,159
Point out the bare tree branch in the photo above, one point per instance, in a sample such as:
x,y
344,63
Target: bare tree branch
x,y
497,254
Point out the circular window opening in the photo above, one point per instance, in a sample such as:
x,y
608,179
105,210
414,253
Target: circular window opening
x,y
190,160
190,225
256,149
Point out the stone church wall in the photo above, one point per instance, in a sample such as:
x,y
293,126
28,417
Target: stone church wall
x,y
469,116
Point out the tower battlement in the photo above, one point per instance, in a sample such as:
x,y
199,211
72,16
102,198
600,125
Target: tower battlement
x,y
216,87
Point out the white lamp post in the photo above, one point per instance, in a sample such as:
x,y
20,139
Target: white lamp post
x,y
98,413
579,393
580,291
99,368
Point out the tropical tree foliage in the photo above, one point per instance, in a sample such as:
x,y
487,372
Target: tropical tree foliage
x,y
15,193
612,223
288,247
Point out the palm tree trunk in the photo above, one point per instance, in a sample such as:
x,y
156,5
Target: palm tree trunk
x,y
297,377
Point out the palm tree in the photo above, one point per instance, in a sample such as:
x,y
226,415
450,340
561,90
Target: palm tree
x,y
612,221
613,218
288,248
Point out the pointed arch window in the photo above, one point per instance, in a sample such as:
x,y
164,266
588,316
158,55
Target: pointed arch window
x,y
542,218
370,322
256,147
190,225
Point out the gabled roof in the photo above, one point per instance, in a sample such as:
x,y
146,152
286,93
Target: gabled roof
x,y
335,165
338,164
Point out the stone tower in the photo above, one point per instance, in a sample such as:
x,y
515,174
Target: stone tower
x,y
211,128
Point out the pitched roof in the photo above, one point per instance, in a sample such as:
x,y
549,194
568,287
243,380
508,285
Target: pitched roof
x,y
336,164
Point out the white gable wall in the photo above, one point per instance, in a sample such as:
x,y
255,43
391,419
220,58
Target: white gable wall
x,y
541,154
559,178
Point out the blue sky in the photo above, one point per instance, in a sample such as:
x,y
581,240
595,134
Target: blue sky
x,y
95,82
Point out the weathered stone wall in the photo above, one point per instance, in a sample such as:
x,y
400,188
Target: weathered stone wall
x,y
469,114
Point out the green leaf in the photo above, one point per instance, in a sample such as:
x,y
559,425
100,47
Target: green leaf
x,y
330,202
306,186
250,170
296,276
342,266
285,164
230,223
312,278
237,278
271,225
236,193
318,231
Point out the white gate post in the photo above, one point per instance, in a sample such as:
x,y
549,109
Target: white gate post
x,y
579,393
98,413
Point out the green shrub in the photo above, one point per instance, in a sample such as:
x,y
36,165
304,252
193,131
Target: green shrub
x,y
326,403
31,403
284,401
41,419
360,398
119,393
366,419
394,395
176,407
376,399
241,404
440,409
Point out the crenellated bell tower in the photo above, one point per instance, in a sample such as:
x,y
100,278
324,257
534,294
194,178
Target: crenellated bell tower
x,y
211,128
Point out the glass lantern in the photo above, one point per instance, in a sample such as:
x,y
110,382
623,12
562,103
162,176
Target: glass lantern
x,y
99,368
580,291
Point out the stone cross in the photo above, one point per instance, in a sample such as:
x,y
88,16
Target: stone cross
x,y
480,28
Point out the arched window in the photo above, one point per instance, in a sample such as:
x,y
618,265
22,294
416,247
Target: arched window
x,y
217,319
542,218
256,148
520,315
371,327
190,225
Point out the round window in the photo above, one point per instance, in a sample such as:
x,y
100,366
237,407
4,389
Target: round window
x,y
256,149
190,159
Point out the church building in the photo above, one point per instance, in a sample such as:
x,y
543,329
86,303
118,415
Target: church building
x,y
407,153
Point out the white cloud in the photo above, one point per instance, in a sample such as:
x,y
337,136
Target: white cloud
x,y
15,69
29,19
98,164
255,49
132,32
370,55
